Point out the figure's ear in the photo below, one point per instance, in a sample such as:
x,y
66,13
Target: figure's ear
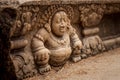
x,y
68,24
47,27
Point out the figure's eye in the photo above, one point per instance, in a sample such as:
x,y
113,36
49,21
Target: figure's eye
x,y
58,21
65,20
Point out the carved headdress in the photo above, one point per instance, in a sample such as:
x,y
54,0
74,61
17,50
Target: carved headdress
x,y
45,19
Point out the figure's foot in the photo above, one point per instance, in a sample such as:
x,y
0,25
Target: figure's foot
x,y
76,58
44,69
94,52
28,71
84,56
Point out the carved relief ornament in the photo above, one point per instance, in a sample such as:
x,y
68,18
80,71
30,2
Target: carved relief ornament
x,y
91,14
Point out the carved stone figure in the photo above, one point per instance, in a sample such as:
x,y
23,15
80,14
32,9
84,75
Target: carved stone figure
x,y
26,28
53,44
20,29
16,28
23,61
24,65
26,17
92,45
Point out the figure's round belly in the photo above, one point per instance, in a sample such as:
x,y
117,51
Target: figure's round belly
x,y
60,55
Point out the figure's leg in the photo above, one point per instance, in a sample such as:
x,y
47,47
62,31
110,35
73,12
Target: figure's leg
x,y
44,68
76,55
42,62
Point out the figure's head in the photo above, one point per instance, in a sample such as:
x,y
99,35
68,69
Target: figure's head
x,y
59,23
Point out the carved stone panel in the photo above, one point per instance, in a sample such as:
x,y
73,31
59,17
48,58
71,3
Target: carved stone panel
x,y
47,34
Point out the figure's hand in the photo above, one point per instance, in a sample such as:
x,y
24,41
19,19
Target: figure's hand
x,y
77,45
42,56
76,51
76,48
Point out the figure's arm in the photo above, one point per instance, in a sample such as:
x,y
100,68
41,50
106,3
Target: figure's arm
x,y
23,17
37,44
75,39
40,52
39,40
76,45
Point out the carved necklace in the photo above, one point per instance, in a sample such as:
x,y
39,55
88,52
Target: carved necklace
x,y
61,40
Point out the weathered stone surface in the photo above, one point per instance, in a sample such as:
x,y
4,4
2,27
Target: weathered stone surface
x,y
41,34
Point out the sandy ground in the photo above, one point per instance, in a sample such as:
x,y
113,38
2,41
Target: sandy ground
x,y
104,66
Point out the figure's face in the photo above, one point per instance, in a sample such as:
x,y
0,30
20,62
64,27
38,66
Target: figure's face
x,y
18,24
59,23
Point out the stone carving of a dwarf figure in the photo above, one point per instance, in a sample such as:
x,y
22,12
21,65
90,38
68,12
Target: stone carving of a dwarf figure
x,y
55,43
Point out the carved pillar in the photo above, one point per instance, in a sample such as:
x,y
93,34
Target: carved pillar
x,y
90,16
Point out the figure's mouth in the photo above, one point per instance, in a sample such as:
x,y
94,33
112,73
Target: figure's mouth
x,y
62,29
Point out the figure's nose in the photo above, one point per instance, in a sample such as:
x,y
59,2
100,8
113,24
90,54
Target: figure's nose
x,y
62,24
